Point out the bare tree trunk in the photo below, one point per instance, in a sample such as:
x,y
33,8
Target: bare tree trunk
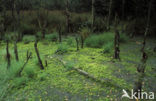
x,y
109,15
8,55
82,42
16,51
116,40
141,68
20,71
77,43
117,45
60,34
38,56
93,15
138,84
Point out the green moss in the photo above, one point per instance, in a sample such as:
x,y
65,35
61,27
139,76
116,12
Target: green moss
x,y
58,83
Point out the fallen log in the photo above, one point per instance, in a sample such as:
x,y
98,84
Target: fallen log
x,y
107,82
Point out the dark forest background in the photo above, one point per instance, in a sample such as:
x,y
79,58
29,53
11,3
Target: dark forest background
x,y
23,15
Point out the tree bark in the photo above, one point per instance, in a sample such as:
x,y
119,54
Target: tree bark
x,y
82,42
60,34
116,40
8,55
77,43
38,56
117,45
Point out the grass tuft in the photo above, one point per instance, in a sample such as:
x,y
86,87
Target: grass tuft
x,y
98,41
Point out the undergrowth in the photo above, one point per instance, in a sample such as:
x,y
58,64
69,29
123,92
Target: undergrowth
x,y
98,41
62,48
104,40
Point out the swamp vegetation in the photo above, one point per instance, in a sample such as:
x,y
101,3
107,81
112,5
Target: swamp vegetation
x,y
77,50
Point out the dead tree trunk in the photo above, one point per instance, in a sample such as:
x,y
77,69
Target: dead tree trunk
x,y
116,40
141,68
77,43
20,71
38,55
16,51
8,55
138,85
108,82
109,15
82,42
117,45
60,34
93,15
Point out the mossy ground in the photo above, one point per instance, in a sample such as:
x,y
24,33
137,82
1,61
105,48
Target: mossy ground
x,y
57,83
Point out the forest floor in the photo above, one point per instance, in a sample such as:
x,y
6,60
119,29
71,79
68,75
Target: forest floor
x,y
57,83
